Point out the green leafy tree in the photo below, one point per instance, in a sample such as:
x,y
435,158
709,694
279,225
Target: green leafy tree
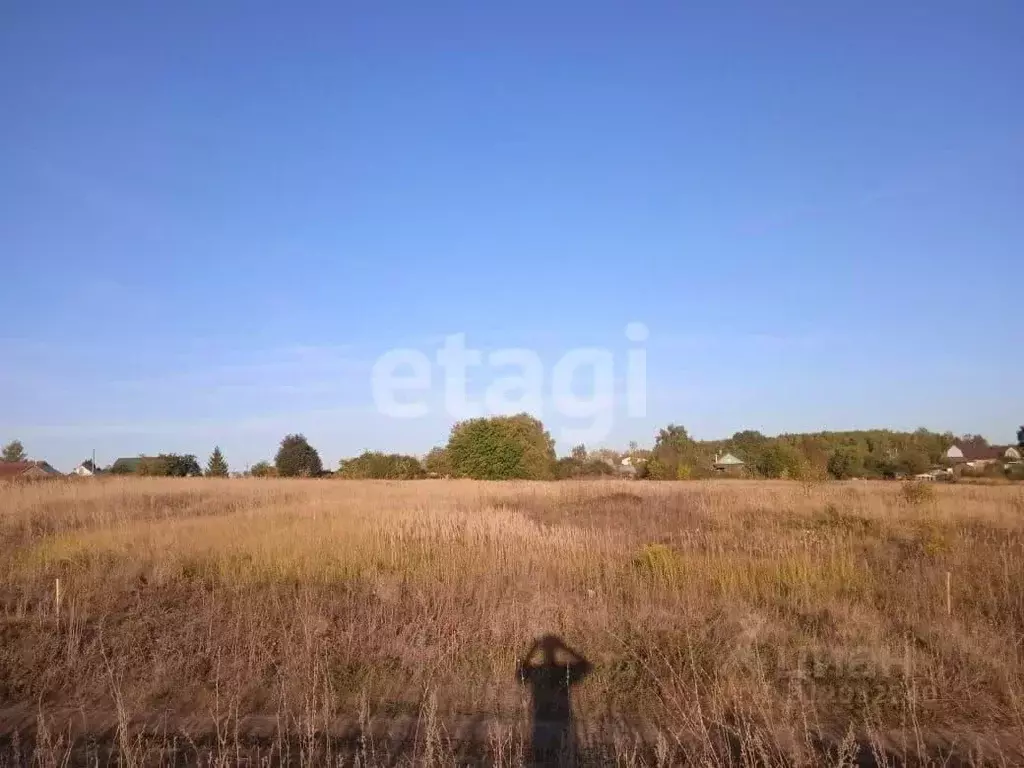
x,y
502,448
182,465
567,468
1020,436
153,466
372,465
14,451
297,458
216,466
263,469
677,456
845,463
170,465
880,466
779,460
913,462
436,462
579,452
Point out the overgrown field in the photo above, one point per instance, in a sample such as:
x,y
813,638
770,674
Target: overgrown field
x,y
318,620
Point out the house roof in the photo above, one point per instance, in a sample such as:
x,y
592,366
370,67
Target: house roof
x,y
129,463
19,468
973,452
728,460
14,468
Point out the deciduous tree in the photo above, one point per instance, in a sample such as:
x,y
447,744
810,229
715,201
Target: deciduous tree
x,y
14,451
297,458
436,462
263,469
845,463
502,448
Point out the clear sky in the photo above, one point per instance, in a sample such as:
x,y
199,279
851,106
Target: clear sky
x,y
215,216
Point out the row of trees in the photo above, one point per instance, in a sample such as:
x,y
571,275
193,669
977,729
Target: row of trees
x,y
519,447
840,455
497,448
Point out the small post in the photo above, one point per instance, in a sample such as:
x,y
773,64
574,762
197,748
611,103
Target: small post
x,y
949,595
56,596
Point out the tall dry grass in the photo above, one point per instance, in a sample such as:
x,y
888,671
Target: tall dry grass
x,y
333,621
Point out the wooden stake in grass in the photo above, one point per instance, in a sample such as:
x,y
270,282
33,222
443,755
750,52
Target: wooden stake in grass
x,y
949,595
56,596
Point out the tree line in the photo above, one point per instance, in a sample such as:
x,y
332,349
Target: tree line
x,y
520,448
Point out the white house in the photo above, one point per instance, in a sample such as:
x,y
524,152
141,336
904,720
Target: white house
x,y
84,470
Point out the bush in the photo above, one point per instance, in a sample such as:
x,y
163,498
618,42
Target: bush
x,y
502,448
573,467
372,465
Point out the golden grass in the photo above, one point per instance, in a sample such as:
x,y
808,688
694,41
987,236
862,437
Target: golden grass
x,y
325,607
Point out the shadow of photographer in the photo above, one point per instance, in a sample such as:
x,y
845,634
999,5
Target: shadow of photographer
x,y
551,668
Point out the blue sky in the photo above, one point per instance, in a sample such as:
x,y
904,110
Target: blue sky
x,y
214,217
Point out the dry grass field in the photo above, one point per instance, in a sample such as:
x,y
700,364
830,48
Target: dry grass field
x,y
324,621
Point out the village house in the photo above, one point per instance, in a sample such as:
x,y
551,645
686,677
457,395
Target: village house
x,y
728,463
978,456
11,470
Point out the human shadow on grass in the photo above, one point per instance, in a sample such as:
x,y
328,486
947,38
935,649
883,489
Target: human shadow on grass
x,y
551,668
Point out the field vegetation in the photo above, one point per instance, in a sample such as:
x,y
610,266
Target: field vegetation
x,y
312,621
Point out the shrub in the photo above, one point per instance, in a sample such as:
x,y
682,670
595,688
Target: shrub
x,y
373,465
570,467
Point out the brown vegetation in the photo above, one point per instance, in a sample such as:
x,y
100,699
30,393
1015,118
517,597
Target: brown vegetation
x,y
314,621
